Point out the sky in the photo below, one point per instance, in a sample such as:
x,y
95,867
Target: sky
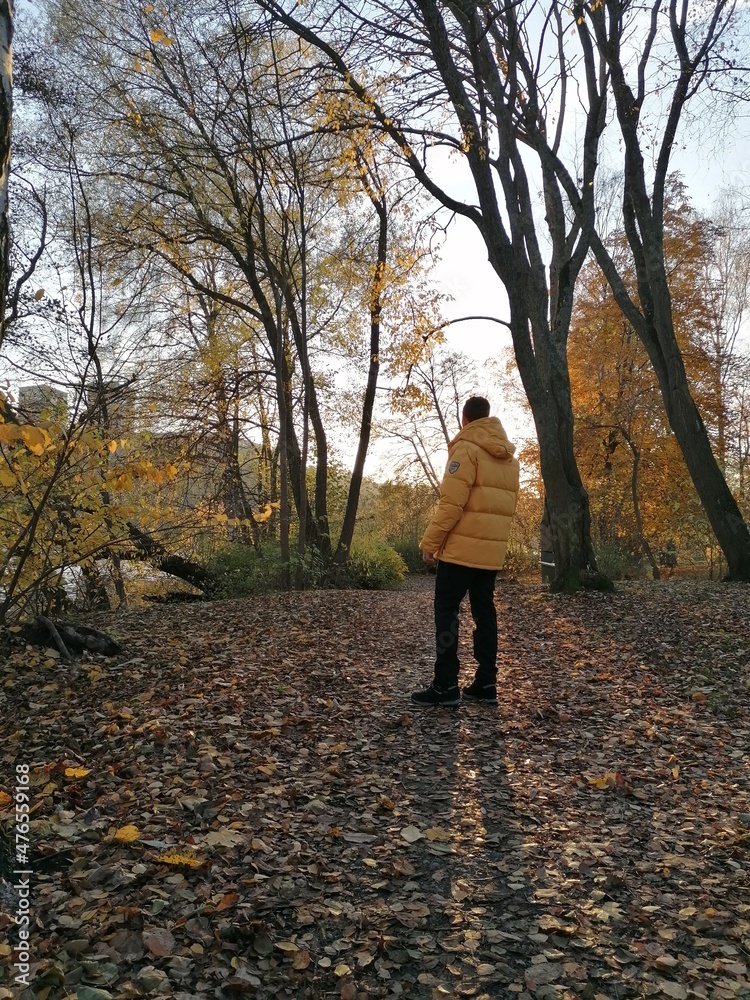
x,y
709,158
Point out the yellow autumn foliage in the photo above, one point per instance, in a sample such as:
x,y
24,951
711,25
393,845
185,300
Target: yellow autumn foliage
x,y
76,772
127,834
640,491
66,495
180,858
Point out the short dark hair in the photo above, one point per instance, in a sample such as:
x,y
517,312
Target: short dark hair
x,y
475,408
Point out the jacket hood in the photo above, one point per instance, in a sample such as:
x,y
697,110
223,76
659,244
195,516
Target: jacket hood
x,y
488,433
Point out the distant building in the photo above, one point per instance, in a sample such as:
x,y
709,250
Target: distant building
x,y
206,473
42,402
113,404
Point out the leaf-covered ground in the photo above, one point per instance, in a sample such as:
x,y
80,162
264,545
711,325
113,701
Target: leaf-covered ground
x,y
245,802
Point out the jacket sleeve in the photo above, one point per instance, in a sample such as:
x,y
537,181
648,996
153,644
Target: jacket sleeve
x,y
454,494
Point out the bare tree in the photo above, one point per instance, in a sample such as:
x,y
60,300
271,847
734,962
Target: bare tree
x,y
726,280
427,408
509,71
683,51
474,59
7,13
216,149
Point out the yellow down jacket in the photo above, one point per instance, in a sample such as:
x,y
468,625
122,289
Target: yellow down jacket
x,y
478,498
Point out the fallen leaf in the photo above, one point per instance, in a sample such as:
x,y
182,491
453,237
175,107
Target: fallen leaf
x,y
76,772
177,858
666,961
543,867
223,838
159,941
127,834
674,990
437,833
287,946
411,834
262,944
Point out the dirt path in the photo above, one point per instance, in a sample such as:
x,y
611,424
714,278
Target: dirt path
x,y
263,813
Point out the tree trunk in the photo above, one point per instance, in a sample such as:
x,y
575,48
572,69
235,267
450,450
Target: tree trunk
x,y
655,329
643,216
476,53
376,305
233,496
320,535
540,311
725,518
567,502
304,498
545,379
284,401
642,540
721,508
290,469
118,581
167,562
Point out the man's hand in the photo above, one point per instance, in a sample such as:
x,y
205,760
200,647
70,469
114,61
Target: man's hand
x,y
429,558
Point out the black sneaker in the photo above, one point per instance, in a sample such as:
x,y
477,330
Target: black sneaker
x,y
481,692
434,695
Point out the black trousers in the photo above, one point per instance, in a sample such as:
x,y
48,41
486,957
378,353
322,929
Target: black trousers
x,y
451,584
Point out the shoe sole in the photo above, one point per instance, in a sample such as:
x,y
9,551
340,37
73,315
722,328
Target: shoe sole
x,y
437,704
480,701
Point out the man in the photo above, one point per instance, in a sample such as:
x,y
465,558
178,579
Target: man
x,y
468,536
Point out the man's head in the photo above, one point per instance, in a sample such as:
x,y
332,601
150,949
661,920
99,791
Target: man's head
x,y
475,408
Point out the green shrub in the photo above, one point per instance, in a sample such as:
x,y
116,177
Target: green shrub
x,y
617,563
240,570
374,565
520,561
316,572
410,552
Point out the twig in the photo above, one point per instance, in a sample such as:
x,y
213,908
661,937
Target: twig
x,y
62,648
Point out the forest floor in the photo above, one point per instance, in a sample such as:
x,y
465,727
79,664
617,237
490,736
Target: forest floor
x,y
244,803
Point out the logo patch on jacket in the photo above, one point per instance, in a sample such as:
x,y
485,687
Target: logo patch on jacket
x,y
454,467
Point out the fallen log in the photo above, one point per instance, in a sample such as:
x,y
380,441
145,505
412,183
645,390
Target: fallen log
x,y
68,638
161,558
